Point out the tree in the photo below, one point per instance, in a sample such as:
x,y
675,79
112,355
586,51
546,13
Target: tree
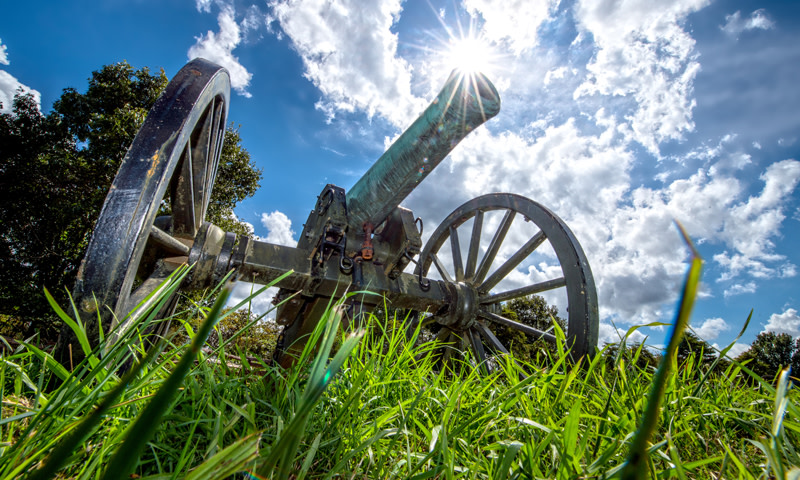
x,y
534,311
770,352
636,355
55,171
691,344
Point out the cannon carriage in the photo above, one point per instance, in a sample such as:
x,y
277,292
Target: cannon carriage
x,y
361,239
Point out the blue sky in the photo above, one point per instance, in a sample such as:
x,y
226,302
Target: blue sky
x,y
621,116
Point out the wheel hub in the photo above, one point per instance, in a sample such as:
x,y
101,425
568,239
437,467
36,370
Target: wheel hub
x,y
463,307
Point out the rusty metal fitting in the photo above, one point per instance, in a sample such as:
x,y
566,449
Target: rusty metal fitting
x,y
367,250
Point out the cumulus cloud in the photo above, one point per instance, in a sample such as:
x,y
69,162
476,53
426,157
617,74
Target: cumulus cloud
x,y
10,86
350,54
608,333
739,289
786,322
512,21
259,304
3,53
555,74
279,227
643,52
751,225
218,48
203,6
735,24
735,351
711,328
552,149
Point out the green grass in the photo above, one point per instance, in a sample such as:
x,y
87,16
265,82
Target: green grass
x,y
373,406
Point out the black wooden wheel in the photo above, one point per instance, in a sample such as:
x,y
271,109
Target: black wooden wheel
x,y
478,274
174,157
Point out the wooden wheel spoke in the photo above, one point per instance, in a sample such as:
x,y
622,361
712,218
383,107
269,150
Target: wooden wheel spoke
x,y
214,147
500,320
455,248
445,276
182,196
513,262
494,246
474,245
169,244
523,291
477,347
493,341
203,140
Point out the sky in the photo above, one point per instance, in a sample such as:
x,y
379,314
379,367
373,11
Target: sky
x,y
622,116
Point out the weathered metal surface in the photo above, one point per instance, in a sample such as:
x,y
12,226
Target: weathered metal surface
x,y
465,102
265,262
180,116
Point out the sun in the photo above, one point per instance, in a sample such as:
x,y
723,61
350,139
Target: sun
x,y
469,54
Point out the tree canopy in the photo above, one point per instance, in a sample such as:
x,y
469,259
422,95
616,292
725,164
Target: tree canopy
x,y
770,352
533,311
55,171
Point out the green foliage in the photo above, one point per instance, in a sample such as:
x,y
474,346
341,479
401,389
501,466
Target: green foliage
x,y
691,344
635,356
55,171
381,409
260,339
389,413
771,352
534,311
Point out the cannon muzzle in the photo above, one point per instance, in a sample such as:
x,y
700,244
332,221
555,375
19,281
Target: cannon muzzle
x,y
465,102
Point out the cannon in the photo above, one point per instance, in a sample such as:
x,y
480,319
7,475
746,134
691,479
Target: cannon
x,y
356,240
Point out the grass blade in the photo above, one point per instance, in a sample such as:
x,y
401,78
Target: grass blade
x,y
127,456
636,466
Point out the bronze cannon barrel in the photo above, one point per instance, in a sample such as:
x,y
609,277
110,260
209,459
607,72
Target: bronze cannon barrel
x,y
466,101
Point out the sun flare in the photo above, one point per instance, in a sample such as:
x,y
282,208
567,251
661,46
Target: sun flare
x,y
470,55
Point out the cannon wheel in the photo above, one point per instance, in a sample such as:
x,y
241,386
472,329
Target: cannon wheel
x,y
474,280
177,150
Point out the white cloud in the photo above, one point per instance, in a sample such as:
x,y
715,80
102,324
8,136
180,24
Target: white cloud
x,y
203,5
259,304
218,48
735,351
555,74
512,21
735,24
3,53
786,322
751,225
711,328
607,333
643,52
350,54
279,227
253,20
739,289
576,163
636,255
9,85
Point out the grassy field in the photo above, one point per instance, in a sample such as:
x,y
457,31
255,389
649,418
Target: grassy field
x,y
370,404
